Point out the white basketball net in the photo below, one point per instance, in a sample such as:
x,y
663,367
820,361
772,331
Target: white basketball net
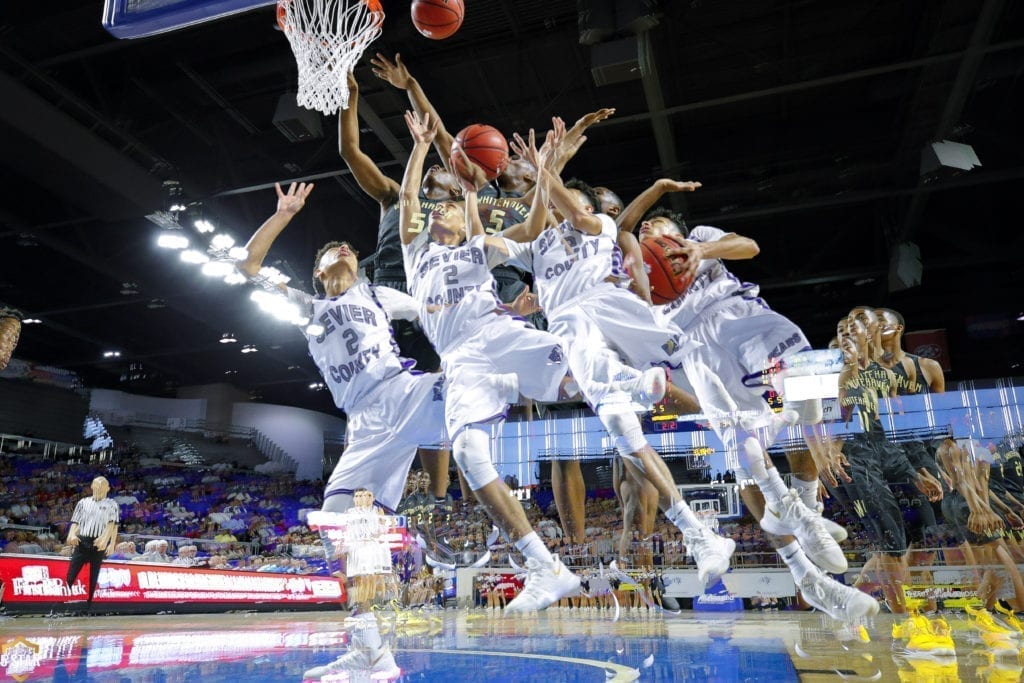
x,y
327,37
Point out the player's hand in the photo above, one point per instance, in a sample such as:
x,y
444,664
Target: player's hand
x,y
525,304
353,85
1014,520
292,202
929,486
394,72
593,117
670,185
73,540
470,175
423,130
693,254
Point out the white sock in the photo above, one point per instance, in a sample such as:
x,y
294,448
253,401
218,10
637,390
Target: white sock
x,y
366,635
530,545
766,478
807,490
799,565
682,516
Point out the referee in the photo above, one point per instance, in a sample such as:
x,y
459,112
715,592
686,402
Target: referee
x,y
93,533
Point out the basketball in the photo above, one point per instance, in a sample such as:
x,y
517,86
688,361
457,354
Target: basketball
x,y
437,19
485,146
664,271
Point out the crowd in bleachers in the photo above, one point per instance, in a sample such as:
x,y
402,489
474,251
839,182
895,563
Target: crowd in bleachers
x,y
223,517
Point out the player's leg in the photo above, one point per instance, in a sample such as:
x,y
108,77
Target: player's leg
x,y
570,497
819,590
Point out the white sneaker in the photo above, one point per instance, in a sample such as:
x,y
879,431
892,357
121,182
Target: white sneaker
x,y
546,583
710,551
648,388
840,602
769,429
836,531
357,660
796,519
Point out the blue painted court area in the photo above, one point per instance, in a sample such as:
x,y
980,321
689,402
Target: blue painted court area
x,y
428,646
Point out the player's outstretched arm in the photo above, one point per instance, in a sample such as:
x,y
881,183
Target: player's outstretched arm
x,y
631,215
731,247
288,205
574,137
474,226
397,74
633,259
423,132
933,375
373,182
534,225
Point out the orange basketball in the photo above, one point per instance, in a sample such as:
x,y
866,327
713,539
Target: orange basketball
x,y
664,271
437,19
485,146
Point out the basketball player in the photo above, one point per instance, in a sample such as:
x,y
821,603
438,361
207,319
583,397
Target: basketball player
x,y
874,461
390,410
489,356
966,508
608,333
438,185
368,571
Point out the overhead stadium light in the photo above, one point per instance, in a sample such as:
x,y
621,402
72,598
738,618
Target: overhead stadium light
x,y
172,239
204,226
222,241
193,256
218,268
238,253
235,278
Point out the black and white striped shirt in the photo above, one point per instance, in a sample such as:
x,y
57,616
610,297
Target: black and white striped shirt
x,y
92,516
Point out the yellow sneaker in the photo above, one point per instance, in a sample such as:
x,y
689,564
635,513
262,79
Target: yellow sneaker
x,y
913,625
984,622
924,671
1010,618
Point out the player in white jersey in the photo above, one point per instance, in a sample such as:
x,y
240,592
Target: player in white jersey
x,y
740,337
390,410
488,355
609,332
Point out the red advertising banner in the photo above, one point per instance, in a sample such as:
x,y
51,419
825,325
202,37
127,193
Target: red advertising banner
x,y
34,656
929,344
33,580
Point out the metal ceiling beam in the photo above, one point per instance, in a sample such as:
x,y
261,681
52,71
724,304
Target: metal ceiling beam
x,y
955,103
810,84
211,92
127,189
959,182
664,138
297,179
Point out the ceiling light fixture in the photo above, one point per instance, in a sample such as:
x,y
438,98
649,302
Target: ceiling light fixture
x,y
31,321
227,338
111,354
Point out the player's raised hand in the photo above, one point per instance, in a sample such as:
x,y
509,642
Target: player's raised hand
x,y
525,304
423,130
593,117
470,175
394,72
353,85
292,201
692,253
670,185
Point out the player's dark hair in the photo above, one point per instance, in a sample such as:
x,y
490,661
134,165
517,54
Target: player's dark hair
x,y
320,254
588,192
895,314
674,216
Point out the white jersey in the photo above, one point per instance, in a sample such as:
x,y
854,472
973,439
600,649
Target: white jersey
x,y
713,283
454,288
356,350
594,262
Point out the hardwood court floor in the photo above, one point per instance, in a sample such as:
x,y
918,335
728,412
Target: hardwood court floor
x,y
477,645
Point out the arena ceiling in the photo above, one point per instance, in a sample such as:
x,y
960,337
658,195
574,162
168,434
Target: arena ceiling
x,y
804,119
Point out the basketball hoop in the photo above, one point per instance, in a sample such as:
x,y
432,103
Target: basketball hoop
x,y
328,37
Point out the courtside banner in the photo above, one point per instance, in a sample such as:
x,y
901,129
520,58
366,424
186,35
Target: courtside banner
x,y
36,584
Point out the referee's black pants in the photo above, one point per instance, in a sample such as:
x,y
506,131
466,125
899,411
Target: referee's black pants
x,y
86,552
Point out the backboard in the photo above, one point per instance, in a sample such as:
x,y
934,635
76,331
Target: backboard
x,y
141,18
